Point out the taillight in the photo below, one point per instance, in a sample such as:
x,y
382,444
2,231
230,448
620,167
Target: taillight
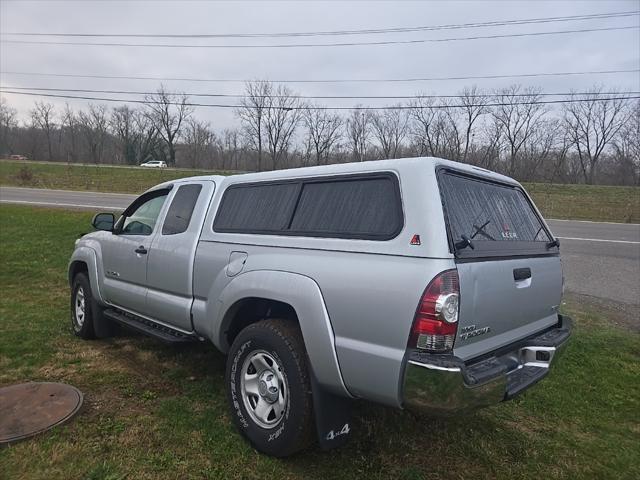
x,y
436,322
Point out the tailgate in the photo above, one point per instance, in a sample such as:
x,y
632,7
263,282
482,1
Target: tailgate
x,y
496,309
509,269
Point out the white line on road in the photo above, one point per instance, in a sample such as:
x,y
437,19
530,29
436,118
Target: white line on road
x,y
77,205
599,240
589,221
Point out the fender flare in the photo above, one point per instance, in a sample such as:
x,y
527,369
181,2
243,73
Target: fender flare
x,y
88,256
305,296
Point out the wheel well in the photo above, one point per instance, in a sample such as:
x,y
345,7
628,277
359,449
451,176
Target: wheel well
x,y
76,268
251,310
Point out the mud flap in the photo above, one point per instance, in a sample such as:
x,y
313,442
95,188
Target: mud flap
x,y
333,416
102,327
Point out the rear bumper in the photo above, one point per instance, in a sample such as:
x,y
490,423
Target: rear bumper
x,y
445,384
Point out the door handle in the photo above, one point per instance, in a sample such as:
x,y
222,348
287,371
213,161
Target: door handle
x,y
141,250
520,274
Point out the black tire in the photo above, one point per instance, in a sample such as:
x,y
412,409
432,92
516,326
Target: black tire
x,y
93,324
280,340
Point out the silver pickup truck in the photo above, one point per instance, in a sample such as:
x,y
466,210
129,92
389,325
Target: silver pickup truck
x,y
417,283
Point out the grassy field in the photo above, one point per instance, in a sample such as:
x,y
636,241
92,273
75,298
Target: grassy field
x,y
587,202
578,202
89,177
153,411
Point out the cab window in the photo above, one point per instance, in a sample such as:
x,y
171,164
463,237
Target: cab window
x,y
180,211
142,219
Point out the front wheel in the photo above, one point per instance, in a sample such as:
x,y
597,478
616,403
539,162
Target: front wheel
x,y
81,311
268,387
87,320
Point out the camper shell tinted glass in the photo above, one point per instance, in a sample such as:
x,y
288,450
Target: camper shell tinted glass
x,y
497,218
349,206
254,208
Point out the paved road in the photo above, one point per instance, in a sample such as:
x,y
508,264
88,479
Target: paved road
x,y
65,198
600,259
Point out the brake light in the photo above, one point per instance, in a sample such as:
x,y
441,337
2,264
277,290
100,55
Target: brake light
x,y
436,322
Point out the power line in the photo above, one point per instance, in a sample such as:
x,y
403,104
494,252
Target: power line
x,y
333,97
354,80
371,31
357,107
337,44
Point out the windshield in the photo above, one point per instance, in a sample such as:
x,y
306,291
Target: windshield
x,y
485,212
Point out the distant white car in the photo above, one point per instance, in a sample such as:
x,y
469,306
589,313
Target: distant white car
x,y
154,164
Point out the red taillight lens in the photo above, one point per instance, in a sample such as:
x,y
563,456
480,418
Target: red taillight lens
x,y
436,322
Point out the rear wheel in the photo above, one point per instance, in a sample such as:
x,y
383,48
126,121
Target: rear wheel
x,y
268,387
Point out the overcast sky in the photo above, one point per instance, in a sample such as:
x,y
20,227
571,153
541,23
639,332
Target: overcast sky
x,y
605,50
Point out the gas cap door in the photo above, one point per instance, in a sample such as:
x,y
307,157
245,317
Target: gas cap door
x,y
236,263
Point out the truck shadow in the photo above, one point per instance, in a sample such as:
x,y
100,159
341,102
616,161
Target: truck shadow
x,y
386,442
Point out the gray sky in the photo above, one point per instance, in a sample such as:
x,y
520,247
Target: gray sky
x,y
609,50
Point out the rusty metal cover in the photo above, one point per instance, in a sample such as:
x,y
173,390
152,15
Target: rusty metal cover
x,y
31,408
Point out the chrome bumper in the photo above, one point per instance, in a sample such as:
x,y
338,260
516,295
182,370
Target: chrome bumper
x,y
445,384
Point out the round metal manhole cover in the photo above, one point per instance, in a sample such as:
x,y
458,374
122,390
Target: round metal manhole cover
x,y
31,408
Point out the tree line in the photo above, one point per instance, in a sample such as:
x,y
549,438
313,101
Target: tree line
x,y
593,137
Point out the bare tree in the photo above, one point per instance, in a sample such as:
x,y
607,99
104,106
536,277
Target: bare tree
x,y
123,126
627,144
42,116
434,128
422,127
252,113
135,133
518,113
359,133
94,126
69,125
281,118
390,129
474,103
539,149
199,140
489,154
149,141
230,149
592,125
8,122
168,111
323,132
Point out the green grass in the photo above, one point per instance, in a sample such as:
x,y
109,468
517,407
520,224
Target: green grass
x,y
587,202
153,411
94,178
578,202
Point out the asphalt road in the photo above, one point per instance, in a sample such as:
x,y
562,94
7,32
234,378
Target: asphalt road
x,y
601,260
65,198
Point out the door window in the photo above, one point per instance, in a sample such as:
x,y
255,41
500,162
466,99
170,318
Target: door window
x,y
142,220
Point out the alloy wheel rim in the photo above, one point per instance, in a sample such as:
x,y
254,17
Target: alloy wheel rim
x,y
264,389
79,303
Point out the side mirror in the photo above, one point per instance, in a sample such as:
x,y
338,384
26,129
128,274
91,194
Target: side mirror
x,y
104,221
